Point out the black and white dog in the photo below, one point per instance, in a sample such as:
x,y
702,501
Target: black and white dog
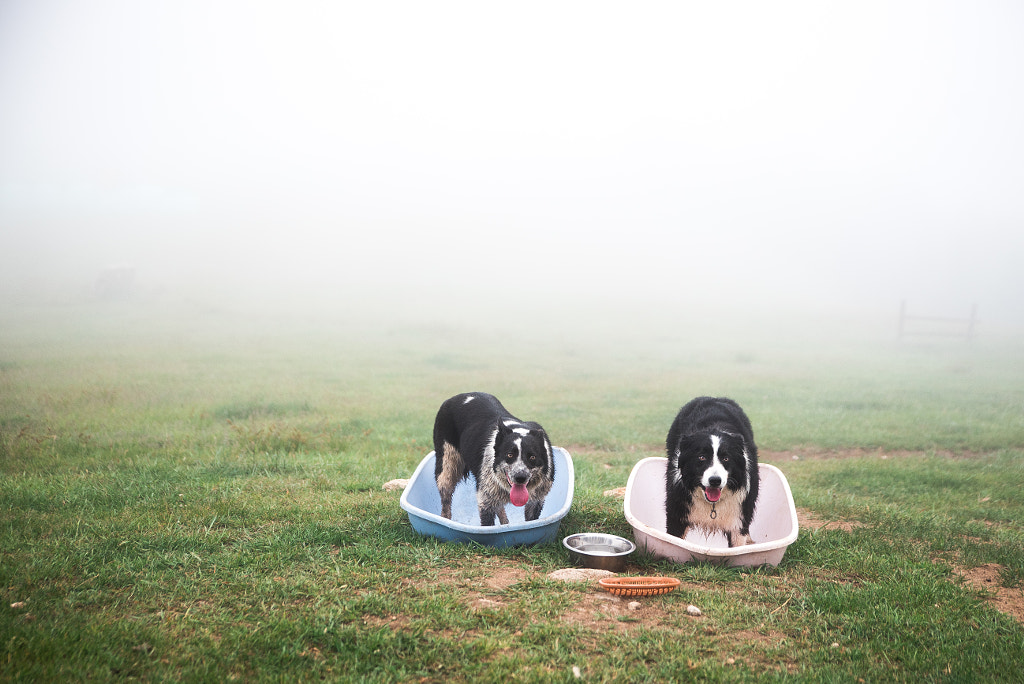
x,y
510,459
711,479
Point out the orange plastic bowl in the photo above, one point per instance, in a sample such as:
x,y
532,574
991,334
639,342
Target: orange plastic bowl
x,y
639,586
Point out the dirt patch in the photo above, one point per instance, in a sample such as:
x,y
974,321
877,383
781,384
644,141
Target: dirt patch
x,y
485,592
595,608
488,574
600,611
503,577
754,638
810,521
986,579
395,622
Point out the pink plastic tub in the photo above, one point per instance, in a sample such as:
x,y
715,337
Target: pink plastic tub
x,y
773,529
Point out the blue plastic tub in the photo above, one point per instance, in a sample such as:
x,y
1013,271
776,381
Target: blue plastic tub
x,y
423,504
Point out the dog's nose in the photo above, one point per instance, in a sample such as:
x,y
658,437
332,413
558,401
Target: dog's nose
x,y
714,481
521,478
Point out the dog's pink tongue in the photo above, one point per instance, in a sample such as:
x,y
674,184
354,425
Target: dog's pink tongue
x,y
519,495
713,494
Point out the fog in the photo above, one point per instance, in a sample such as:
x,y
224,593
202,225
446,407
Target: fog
x,y
690,159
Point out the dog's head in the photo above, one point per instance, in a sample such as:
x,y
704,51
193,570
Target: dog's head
x,y
712,462
522,459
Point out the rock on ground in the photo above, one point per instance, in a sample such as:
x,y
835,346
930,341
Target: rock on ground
x,y
579,574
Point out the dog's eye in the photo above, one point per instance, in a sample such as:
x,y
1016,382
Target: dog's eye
x,y
725,459
510,457
703,457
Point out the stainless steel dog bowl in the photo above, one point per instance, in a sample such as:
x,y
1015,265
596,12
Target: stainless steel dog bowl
x,y
600,551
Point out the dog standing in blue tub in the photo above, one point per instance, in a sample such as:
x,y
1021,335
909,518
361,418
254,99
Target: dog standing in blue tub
x,y
711,479
510,459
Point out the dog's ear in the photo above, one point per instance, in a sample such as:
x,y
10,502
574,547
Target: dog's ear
x,y
546,441
675,450
686,442
738,440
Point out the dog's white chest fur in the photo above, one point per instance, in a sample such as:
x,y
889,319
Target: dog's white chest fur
x,y
727,511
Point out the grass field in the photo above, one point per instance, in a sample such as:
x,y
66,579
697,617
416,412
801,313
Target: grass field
x,y
196,496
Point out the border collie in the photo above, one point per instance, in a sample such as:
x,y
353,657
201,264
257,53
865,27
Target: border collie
x,y
510,459
711,479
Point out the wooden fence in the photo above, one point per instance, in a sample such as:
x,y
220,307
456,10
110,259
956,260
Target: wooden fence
x,y
938,326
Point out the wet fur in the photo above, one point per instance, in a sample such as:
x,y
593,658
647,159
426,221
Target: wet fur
x,y
711,437
474,433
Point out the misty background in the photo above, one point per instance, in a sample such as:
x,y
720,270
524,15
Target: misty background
x,y
462,160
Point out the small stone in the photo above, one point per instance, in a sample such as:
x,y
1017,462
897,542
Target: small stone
x,y
395,485
579,574
633,605
576,672
488,603
18,604
693,610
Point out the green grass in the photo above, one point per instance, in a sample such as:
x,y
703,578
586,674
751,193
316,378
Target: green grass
x,y
184,502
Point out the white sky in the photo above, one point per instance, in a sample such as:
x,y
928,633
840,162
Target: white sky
x,y
787,154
